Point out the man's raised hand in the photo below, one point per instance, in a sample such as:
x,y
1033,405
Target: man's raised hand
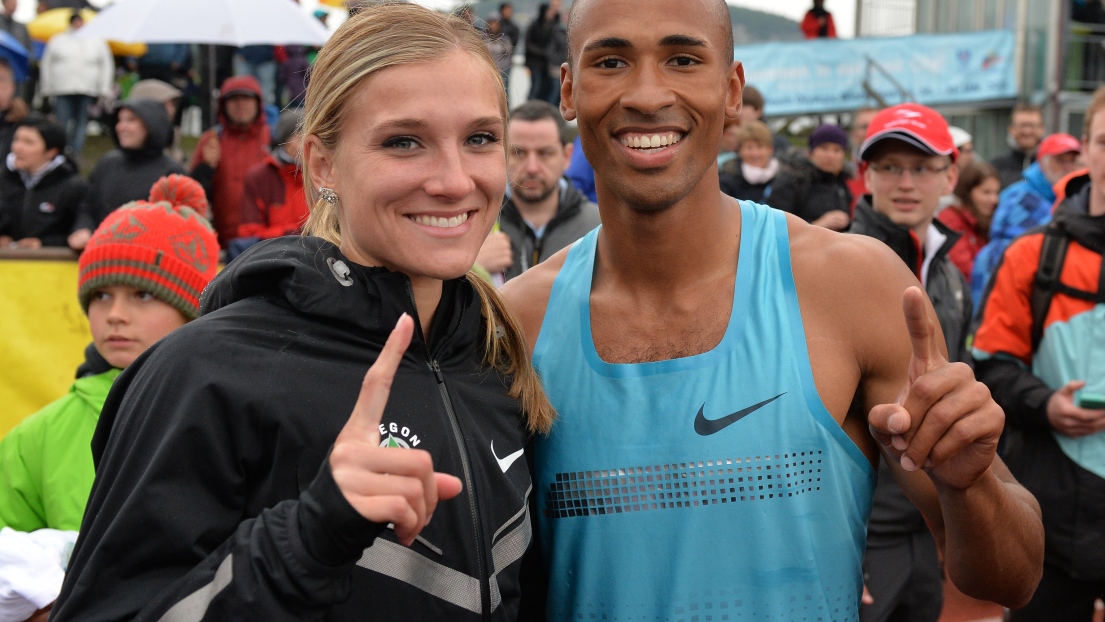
x,y
387,484
944,420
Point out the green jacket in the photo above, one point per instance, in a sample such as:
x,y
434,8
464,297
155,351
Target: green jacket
x,y
46,467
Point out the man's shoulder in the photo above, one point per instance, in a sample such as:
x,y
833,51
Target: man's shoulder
x,y
854,275
821,249
527,295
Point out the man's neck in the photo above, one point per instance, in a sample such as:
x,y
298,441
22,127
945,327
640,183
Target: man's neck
x,y
660,250
540,213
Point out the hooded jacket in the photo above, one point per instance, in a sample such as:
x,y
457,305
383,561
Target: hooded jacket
x,y
1022,206
240,147
1067,475
962,221
46,460
809,192
124,175
46,209
273,203
575,217
214,493
892,513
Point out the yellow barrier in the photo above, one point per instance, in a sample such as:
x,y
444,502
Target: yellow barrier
x,y
43,333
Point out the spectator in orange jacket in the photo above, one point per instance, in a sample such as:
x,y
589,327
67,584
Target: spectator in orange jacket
x,y
818,23
273,203
227,151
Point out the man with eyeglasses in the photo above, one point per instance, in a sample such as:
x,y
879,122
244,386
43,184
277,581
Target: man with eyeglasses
x,y
908,161
1026,130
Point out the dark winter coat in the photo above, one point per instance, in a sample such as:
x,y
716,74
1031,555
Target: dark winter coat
x,y
1011,165
945,285
214,492
575,217
735,185
47,210
892,513
809,192
124,175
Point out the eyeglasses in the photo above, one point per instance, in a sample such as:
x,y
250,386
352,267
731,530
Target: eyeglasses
x,y
925,173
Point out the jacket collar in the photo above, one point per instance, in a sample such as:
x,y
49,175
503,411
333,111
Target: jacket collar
x,y
569,205
1073,217
311,277
901,239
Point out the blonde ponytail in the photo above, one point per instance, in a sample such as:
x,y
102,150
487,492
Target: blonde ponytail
x,y
323,222
505,348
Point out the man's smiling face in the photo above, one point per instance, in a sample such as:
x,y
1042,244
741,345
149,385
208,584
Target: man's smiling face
x,y
651,86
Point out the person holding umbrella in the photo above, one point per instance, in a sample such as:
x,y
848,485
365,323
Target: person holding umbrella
x,y
248,467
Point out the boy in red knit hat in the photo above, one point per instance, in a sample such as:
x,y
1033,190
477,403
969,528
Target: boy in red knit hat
x,y
140,277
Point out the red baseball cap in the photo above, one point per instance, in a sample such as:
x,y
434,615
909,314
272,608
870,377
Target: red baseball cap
x,y
1057,144
914,124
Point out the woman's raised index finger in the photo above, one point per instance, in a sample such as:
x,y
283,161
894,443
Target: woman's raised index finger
x,y
369,409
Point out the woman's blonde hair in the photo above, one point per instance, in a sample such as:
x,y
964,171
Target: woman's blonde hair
x,y
384,36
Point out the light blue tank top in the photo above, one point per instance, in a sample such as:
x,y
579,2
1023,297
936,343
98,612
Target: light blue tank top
x,y
711,487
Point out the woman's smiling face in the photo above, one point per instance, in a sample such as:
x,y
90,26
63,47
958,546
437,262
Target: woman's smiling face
x,y
420,167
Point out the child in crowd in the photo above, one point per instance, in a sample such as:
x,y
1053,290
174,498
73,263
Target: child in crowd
x,y
140,277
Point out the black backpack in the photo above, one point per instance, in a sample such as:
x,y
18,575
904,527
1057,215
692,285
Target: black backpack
x,y
1052,255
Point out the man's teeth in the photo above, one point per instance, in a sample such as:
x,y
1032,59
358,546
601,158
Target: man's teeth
x,y
444,223
644,141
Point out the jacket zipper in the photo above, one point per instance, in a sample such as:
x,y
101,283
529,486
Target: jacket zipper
x,y
466,465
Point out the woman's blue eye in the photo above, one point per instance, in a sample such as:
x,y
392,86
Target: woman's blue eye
x,y
401,142
484,139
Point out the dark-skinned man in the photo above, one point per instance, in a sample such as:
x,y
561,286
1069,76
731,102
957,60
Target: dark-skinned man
x,y
726,375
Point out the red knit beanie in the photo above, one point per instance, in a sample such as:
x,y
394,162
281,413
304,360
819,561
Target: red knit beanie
x,y
181,190
169,251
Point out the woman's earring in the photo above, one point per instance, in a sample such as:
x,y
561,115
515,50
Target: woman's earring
x,y
328,195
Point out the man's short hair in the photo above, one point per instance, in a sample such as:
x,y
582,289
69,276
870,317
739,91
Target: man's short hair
x,y
752,97
721,14
505,5
537,110
1026,107
1097,104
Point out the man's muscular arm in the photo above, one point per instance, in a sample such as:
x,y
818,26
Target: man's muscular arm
x,y
932,417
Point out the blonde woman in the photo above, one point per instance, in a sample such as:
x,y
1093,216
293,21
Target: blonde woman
x,y
253,469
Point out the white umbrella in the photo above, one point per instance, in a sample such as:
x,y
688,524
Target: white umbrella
x,y
223,22
218,22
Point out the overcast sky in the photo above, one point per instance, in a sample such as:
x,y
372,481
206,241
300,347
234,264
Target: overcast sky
x,y
844,11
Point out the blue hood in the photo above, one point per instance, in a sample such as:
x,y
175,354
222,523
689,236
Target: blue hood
x,y
1039,184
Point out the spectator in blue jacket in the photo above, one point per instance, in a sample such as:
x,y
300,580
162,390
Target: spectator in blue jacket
x,y
1025,204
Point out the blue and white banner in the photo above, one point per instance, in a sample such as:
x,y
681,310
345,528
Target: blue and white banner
x,y
827,75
